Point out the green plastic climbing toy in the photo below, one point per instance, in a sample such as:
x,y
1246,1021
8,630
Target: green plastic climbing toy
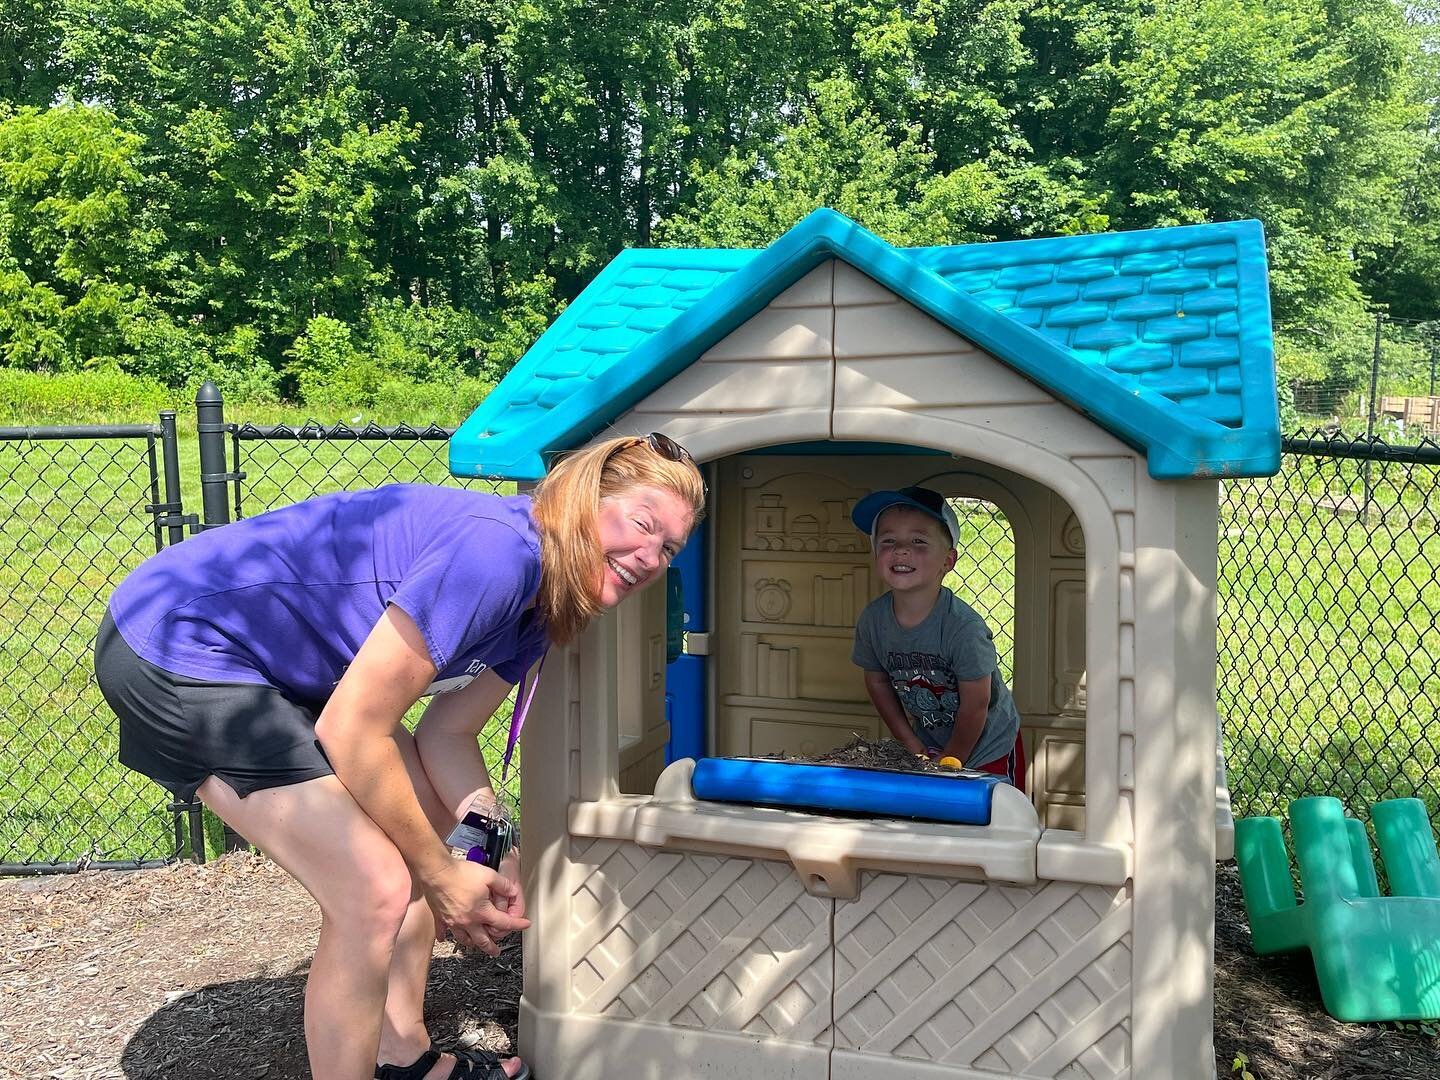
x,y
1376,957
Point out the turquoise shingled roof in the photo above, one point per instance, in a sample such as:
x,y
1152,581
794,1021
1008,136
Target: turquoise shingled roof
x,y
1160,336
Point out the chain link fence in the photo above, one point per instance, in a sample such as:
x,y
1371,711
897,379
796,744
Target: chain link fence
x,y
1329,608
1329,619
984,574
79,508
1378,378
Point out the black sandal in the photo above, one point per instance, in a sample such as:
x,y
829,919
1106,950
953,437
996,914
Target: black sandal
x,y
469,1065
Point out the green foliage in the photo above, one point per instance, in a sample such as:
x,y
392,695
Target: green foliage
x,y
837,154
29,397
444,403
526,308
407,352
240,369
424,344
329,370
322,199
32,62
66,180
1404,275
1289,418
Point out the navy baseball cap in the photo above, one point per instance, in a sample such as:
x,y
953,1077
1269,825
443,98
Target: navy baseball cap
x,y
868,510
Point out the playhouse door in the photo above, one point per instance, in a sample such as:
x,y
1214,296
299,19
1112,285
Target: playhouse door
x,y
787,600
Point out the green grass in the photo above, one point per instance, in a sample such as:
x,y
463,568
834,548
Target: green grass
x,y
984,574
1328,629
1327,619
71,524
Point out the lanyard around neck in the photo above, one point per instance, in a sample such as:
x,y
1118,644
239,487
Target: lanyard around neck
x,y
517,718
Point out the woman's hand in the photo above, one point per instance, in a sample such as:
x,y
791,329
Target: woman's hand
x,y
511,905
474,904
510,870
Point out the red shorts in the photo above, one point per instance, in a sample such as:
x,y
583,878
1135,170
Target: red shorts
x,y
1011,766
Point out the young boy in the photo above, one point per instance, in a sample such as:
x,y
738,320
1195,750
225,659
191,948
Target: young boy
x,y
929,659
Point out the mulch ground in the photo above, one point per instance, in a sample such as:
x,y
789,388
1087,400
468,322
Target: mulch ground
x,y
1268,1008
192,971
199,972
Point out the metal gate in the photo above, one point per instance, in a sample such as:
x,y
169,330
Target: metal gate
x,y
79,508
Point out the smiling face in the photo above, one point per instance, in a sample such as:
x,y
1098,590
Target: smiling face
x,y
641,531
912,549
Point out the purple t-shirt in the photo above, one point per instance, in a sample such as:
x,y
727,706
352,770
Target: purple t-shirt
x,y
286,598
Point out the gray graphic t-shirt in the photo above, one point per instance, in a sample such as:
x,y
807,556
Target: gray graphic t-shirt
x,y
927,663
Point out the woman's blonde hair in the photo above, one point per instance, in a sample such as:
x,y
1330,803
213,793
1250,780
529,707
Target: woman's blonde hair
x,y
567,503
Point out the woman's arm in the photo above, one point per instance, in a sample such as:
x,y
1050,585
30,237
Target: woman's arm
x,y
357,730
446,738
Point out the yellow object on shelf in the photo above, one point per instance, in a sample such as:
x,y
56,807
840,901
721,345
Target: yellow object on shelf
x,y
951,762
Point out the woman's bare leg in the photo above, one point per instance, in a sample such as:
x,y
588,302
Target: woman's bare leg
x,y
317,833
403,1035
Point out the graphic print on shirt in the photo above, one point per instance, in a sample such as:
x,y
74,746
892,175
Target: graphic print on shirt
x,y
456,682
926,687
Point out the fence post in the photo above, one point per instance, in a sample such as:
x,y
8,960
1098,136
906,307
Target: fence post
x,y
1434,348
210,424
170,456
175,521
214,509
1370,412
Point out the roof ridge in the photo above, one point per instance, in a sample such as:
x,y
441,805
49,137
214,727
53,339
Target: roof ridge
x,y
1099,320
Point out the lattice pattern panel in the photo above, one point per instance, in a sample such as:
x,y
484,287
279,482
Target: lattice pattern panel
x,y
721,944
1030,982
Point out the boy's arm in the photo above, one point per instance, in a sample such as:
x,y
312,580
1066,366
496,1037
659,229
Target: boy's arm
x,y
887,704
969,718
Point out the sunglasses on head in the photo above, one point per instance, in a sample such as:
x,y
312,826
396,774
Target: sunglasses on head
x,y
668,449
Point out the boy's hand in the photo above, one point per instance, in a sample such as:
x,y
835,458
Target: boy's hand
x,y
914,745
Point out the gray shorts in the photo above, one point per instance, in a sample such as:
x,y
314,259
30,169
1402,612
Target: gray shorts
x,y
178,730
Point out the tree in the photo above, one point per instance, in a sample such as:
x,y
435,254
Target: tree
x,y
73,224
837,154
438,177
33,66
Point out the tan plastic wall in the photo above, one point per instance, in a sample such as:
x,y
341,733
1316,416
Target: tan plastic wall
x,y
675,938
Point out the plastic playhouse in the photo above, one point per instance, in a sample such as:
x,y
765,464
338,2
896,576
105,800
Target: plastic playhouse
x,y
1095,389
1376,957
